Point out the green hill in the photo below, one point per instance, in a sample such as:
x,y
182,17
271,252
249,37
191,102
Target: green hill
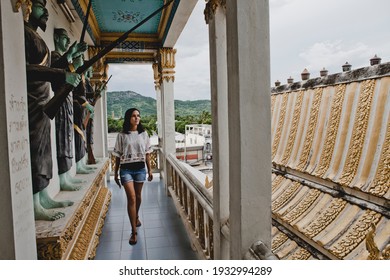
x,y
119,101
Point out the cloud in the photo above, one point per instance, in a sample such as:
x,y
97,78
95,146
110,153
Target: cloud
x,y
138,78
315,34
333,54
192,78
303,34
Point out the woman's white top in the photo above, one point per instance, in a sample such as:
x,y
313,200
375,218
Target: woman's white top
x,y
132,147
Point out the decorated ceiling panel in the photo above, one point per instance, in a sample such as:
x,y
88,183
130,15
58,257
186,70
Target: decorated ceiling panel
x,y
121,15
109,19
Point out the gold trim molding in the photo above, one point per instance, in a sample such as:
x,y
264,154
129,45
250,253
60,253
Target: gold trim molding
x,y
211,8
167,64
156,76
167,58
26,6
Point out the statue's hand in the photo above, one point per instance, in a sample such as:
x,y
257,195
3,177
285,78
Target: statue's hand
x,y
77,49
72,78
89,108
69,53
78,61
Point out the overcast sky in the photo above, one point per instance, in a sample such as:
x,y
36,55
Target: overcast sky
x,y
308,34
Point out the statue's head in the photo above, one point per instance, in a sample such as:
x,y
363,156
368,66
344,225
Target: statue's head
x,y
39,14
61,40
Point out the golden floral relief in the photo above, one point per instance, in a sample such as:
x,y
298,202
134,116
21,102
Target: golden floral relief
x,y
358,132
381,185
304,158
293,128
279,128
325,218
355,235
331,132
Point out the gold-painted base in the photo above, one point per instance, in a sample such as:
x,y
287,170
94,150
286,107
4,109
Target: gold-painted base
x,y
76,236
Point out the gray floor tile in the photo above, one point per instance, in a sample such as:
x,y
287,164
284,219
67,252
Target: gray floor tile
x,y
164,253
114,220
112,226
109,247
152,223
155,232
158,242
108,256
161,236
107,236
133,255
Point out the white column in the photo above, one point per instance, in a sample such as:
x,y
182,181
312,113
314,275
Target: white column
x,y
216,18
17,230
105,124
157,87
167,65
99,132
248,59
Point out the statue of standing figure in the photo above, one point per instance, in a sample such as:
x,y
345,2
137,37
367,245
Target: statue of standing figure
x,y
80,104
64,117
40,73
93,95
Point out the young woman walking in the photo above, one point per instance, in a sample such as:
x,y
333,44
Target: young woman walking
x,y
132,150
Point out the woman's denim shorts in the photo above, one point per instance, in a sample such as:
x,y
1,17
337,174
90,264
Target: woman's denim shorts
x,y
128,175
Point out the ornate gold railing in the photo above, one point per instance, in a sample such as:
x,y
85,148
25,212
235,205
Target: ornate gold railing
x,y
194,205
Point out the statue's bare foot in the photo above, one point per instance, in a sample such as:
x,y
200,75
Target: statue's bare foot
x,y
91,167
47,202
67,182
48,215
73,180
70,187
50,203
82,170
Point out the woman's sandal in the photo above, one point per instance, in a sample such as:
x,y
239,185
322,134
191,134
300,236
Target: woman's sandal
x,y
133,238
138,222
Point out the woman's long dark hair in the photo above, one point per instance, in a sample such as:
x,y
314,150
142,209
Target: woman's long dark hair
x,y
126,122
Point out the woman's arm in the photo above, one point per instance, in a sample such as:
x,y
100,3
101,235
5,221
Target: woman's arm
x,y
150,174
116,169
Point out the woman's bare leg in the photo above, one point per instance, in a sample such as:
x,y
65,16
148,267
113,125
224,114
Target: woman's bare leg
x,y
131,205
138,198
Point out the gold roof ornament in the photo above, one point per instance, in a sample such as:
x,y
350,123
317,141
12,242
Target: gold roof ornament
x,y
373,249
208,184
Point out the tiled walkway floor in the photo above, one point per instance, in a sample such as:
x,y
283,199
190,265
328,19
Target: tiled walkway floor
x,y
162,235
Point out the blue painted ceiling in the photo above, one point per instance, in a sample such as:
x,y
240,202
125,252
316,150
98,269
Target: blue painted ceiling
x,y
109,19
121,15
